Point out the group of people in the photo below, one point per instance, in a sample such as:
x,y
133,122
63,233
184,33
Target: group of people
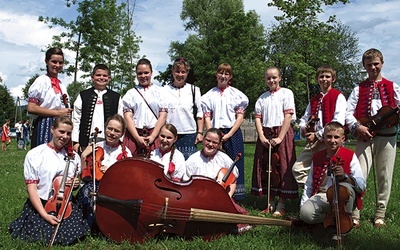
x,y
22,134
145,122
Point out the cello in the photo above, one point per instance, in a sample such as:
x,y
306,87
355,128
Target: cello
x,y
137,202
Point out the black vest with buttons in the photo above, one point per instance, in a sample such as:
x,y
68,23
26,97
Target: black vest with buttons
x,y
89,99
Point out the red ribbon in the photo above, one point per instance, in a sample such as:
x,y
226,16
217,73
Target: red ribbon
x,y
171,167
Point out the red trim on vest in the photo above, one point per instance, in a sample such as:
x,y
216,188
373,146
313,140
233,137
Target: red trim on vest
x,y
366,89
326,104
320,167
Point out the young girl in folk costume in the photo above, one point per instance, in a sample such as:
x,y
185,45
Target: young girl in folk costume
x,y
223,107
47,98
42,164
112,150
274,111
144,111
209,161
168,155
183,101
5,135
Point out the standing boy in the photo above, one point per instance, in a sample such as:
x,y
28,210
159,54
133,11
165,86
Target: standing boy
x,y
346,169
365,101
93,107
329,105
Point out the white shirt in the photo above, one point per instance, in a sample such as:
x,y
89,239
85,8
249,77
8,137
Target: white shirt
x,y
272,107
98,115
42,92
222,106
338,116
178,159
180,107
355,172
142,115
198,164
111,153
42,164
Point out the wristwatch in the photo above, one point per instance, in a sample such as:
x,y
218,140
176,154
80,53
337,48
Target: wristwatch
x,y
345,177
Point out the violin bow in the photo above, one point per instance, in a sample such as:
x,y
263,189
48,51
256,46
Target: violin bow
x,y
95,133
68,157
269,172
335,184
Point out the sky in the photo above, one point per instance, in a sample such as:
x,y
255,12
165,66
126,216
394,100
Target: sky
x,y
157,22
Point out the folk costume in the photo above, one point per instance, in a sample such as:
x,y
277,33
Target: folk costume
x,y
271,108
47,92
222,105
173,162
364,102
92,108
145,103
314,203
111,156
327,108
182,103
42,164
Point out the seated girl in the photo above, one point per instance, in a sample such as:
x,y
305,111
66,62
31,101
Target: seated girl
x,y
42,164
112,150
167,154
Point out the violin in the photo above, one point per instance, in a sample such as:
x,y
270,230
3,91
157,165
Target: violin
x,y
93,165
59,202
310,125
271,161
136,202
225,176
338,196
386,116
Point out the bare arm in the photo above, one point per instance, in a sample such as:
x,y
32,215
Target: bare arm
x,y
37,204
35,109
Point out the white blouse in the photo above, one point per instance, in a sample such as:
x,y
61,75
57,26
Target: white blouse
x,y
180,107
178,159
142,115
198,164
111,153
41,92
272,107
42,164
222,106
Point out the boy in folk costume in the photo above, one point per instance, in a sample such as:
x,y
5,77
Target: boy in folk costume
x,y
329,105
93,107
365,101
346,168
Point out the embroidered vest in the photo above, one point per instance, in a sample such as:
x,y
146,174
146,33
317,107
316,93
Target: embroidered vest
x,y
89,98
366,89
320,167
327,104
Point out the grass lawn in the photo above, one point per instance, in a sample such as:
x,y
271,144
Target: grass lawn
x,y
13,195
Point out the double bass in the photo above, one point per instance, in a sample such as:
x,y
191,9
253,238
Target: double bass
x,y
136,202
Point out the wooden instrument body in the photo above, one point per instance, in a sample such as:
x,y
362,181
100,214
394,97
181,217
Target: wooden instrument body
x,y
144,180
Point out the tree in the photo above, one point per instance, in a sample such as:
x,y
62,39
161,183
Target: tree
x,y
7,104
221,32
102,33
300,43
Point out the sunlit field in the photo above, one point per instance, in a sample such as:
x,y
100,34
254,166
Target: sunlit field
x,y
13,196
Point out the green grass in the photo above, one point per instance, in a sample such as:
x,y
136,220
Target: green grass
x,y
13,195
